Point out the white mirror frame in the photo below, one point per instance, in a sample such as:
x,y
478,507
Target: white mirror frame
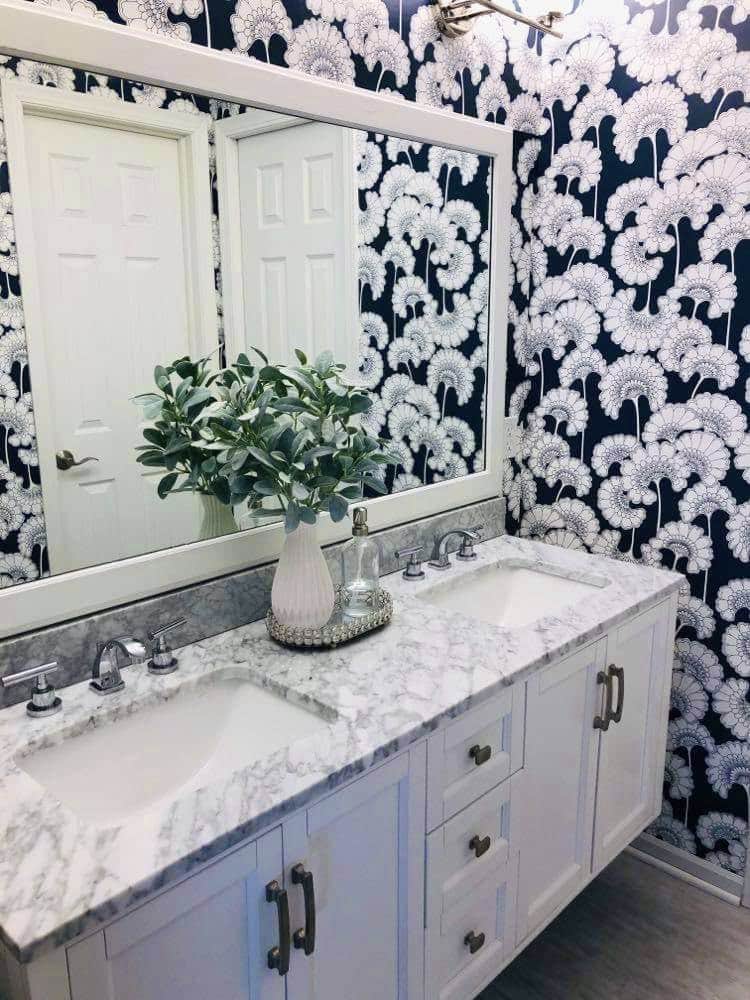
x,y
40,34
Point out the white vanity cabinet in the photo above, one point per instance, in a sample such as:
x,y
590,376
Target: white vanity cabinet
x,y
364,846
424,877
556,791
359,855
206,937
631,751
578,776
471,867
585,791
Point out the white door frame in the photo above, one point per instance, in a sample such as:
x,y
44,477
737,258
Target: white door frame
x,y
22,101
33,32
227,136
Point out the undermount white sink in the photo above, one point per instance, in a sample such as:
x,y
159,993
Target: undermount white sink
x,y
510,595
123,767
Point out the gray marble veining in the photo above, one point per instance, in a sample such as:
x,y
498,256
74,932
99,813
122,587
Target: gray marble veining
x,y
60,877
210,607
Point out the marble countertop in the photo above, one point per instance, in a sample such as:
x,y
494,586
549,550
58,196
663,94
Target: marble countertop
x,y
61,877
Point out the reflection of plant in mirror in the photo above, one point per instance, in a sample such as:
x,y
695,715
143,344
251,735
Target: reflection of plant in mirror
x,y
252,432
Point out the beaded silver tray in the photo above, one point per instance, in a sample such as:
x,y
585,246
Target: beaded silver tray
x,y
337,630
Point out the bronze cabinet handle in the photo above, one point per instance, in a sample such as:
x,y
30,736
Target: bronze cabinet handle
x,y
480,754
479,845
278,957
65,460
619,673
474,941
603,722
305,937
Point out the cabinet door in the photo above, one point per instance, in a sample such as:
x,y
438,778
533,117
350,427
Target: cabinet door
x,y
631,754
554,794
206,938
364,846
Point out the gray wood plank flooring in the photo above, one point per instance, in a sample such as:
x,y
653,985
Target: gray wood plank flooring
x,y
635,934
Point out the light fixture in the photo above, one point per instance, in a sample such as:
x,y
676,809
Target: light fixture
x,y
456,17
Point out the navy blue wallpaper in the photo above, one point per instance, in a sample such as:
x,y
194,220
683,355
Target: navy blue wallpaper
x,y
629,352
424,313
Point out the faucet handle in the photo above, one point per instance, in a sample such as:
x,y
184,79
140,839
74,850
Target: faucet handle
x,y
44,700
471,536
413,569
163,660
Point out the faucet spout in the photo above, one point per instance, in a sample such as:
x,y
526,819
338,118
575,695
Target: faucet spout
x,y
106,677
441,559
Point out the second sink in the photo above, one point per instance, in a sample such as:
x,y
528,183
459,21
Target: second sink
x,y
509,594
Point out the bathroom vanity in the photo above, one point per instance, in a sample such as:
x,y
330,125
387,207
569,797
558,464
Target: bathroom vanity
x,y
391,820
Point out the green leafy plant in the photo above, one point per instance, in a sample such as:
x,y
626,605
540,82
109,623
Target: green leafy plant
x,y
286,439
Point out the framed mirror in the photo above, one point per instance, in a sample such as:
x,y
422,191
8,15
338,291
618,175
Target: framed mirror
x,y
204,209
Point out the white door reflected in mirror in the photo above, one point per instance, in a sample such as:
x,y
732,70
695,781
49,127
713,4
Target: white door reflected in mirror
x,y
112,218
288,203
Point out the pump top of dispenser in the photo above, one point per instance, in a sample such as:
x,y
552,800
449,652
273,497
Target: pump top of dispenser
x,y
359,522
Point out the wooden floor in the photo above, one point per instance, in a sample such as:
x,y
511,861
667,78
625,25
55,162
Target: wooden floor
x,y
635,934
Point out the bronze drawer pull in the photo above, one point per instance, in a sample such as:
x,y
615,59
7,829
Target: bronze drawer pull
x,y
474,941
278,957
305,937
480,754
619,673
479,845
603,722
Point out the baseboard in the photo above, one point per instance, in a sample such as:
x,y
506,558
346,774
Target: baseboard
x,y
695,871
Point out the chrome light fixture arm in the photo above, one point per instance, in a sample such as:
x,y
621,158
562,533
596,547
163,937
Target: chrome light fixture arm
x,y
456,16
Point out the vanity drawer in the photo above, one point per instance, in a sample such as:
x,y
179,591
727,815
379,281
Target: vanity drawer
x,y
485,920
466,851
474,754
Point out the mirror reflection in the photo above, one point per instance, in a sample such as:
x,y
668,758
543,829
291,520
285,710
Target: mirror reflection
x,y
153,226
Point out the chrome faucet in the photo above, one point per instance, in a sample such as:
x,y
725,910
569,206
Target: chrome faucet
x,y
106,676
441,559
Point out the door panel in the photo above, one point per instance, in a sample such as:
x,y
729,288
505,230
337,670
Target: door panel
x,y
297,206
208,937
631,752
365,848
114,286
554,794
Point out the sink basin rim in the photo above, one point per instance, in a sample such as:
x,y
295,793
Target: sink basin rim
x,y
47,759
474,574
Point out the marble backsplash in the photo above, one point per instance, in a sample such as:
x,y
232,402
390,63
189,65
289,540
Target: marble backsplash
x,y
212,606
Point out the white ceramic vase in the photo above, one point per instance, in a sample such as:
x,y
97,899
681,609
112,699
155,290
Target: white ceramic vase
x,y
218,518
302,595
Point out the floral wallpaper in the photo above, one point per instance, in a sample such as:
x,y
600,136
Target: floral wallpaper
x,y
424,314
630,337
629,353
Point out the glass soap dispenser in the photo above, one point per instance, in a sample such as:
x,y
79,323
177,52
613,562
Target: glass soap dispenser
x,y
360,569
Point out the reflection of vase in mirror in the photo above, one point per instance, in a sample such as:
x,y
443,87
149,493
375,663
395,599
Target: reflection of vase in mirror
x,y
302,595
218,518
